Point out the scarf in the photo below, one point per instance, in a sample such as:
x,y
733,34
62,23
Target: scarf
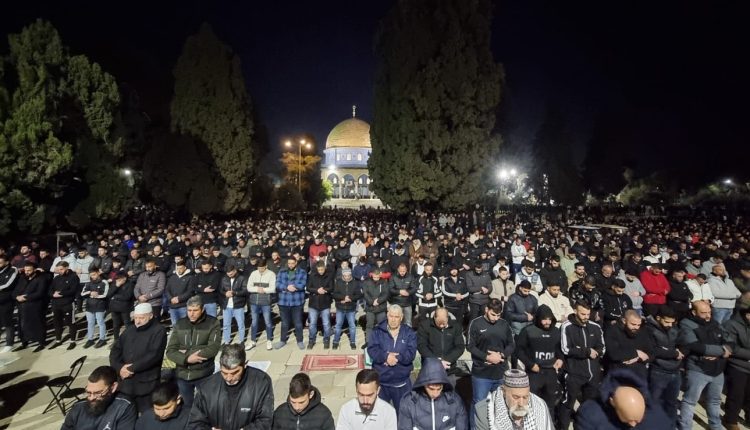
x,y
499,417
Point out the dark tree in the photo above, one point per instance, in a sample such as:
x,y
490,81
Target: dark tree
x,y
606,153
211,104
436,94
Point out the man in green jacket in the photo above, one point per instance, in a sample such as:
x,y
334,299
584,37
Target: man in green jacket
x,y
193,345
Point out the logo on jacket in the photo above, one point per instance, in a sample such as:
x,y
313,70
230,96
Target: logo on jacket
x,y
246,409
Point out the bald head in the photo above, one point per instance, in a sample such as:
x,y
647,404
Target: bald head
x,y
702,310
629,405
441,317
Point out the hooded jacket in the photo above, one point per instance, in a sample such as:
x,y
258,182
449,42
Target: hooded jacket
x,y
517,307
418,411
656,286
738,333
536,345
315,281
665,346
598,414
316,416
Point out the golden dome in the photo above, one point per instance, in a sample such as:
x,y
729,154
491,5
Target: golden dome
x,y
350,133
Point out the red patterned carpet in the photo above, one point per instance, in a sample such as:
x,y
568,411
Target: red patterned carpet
x,y
333,362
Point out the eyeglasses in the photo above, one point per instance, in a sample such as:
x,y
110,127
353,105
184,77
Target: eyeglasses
x,y
97,394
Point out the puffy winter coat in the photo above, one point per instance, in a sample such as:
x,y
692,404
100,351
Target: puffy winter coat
x,y
418,411
316,416
381,343
665,346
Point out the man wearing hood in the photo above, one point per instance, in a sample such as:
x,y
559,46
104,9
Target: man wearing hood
x,y
624,403
303,408
432,403
538,348
738,368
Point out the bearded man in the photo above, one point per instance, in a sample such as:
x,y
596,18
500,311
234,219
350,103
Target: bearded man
x,y
103,407
513,407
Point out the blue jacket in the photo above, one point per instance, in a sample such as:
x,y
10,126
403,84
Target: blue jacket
x,y
598,414
298,278
418,411
381,343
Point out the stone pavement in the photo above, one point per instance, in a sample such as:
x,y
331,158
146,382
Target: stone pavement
x,y
23,375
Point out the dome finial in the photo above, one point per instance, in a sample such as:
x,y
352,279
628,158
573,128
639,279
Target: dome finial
x,y
354,111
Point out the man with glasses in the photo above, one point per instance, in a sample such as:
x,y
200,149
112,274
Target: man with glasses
x,y
103,407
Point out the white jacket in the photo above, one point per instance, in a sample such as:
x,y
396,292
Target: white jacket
x,y
560,306
700,292
518,252
724,291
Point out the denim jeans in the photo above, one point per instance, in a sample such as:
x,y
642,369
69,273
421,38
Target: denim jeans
x,y
349,317
239,315
96,318
722,314
696,383
480,388
325,315
211,309
289,315
187,389
665,387
371,320
176,314
255,311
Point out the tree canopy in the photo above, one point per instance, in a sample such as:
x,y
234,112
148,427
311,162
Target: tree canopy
x,y
436,93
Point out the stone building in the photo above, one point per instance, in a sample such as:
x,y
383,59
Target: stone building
x,y
345,162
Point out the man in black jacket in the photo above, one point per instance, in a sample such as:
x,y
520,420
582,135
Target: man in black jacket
x,y
738,367
303,408
664,376
491,345
455,295
237,397
179,289
63,291
402,291
552,274
632,347
207,284
538,348
31,295
582,344
137,356
103,407
168,412
614,303
376,293
233,294
479,284
8,278
319,288
442,338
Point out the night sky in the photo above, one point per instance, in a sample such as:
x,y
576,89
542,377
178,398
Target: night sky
x,y
674,74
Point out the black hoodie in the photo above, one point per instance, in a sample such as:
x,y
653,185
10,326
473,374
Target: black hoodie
x,y
315,416
535,345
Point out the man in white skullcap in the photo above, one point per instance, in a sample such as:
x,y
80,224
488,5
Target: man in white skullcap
x,y
513,406
137,356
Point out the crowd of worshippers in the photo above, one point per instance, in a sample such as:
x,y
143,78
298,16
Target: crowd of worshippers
x,y
619,320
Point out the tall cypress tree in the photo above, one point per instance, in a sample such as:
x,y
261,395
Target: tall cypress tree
x,y
211,104
436,93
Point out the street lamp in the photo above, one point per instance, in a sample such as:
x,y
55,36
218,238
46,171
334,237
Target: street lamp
x,y
727,181
301,143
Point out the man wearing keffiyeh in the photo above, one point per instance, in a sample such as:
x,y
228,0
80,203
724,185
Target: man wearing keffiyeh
x,y
513,407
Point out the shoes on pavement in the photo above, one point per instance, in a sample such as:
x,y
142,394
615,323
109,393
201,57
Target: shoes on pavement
x,y
40,347
55,344
20,347
364,346
88,344
279,345
353,346
326,343
71,346
250,345
311,345
335,345
269,345
301,345
100,343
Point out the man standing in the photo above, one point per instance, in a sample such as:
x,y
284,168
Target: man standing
x,y
149,287
207,284
455,294
31,295
193,344
538,348
402,291
346,293
96,292
521,307
552,274
582,344
168,411
558,303
432,403
706,351
261,284
512,406
367,411
319,288
179,289
63,292
738,369
103,408
290,285
725,293
442,338
233,294
8,279
393,347
376,292
664,377
479,284
631,346
236,397
137,356
490,342
657,288
303,408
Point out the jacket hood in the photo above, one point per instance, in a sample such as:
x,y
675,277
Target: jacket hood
x,y
543,312
432,372
617,378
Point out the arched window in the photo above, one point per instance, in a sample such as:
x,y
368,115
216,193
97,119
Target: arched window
x,y
348,157
334,180
359,157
